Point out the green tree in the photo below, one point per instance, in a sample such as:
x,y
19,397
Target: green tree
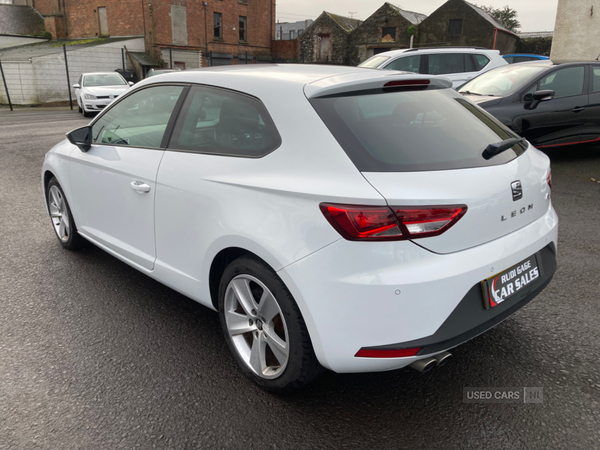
x,y
506,16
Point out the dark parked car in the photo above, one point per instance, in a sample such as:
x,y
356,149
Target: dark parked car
x,y
549,104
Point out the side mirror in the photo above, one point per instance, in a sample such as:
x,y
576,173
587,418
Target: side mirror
x,y
131,83
81,137
76,86
539,96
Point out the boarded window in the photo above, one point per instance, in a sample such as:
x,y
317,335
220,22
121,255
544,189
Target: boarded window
x,y
388,34
217,23
103,20
455,27
179,25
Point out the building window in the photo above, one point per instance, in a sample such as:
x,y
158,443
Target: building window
x,y
292,34
217,19
388,34
300,32
455,27
243,28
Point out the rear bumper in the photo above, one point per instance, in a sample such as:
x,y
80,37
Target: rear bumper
x,y
357,295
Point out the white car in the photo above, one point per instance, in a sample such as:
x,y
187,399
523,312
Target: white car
x,y
335,217
459,64
95,91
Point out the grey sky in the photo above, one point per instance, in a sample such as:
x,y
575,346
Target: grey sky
x,y
534,15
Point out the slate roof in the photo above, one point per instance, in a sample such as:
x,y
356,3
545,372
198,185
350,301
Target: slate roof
x,y
17,20
413,17
346,23
490,19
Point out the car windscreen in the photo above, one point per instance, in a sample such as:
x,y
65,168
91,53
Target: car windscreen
x,y
408,131
503,81
374,62
109,79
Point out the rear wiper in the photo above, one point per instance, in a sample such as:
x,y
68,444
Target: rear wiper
x,y
498,147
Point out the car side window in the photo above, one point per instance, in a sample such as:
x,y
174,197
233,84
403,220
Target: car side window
x,y
564,82
224,122
139,120
481,61
443,63
596,79
405,63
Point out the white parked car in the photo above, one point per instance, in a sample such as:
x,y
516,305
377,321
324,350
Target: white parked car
x,y
95,91
335,217
459,64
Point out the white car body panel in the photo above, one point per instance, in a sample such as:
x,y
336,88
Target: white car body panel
x,y
487,192
122,219
457,79
201,204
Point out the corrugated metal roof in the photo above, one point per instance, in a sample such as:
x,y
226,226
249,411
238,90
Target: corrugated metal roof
x,y
20,20
413,17
346,23
26,52
535,34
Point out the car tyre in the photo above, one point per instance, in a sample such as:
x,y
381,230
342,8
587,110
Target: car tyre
x,y
86,114
79,108
263,327
62,218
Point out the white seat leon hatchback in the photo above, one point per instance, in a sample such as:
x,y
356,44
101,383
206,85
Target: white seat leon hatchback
x,y
336,218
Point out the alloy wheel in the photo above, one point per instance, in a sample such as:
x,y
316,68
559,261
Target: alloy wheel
x,y
59,213
256,326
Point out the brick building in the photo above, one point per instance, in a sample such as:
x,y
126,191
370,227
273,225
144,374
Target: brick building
x,y
326,40
385,29
230,29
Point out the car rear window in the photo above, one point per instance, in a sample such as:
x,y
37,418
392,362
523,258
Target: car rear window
x,y
407,131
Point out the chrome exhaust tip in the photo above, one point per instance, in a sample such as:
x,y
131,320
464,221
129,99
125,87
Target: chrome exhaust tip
x,y
442,358
424,365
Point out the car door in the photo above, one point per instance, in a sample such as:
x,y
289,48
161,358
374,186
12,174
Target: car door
x,y
591,130
114,182
561,120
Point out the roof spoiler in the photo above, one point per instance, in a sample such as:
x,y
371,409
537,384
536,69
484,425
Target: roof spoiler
x,y
356,82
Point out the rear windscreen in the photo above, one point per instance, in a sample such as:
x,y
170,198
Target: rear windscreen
x,y
406,131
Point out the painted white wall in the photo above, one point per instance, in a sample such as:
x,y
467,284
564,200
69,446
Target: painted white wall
x,y
577,31
191,58
15,41
44,79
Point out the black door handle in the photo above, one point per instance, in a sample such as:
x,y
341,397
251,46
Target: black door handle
x,y
578,109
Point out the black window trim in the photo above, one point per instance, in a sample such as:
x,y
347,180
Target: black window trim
x,y
170,123
186,105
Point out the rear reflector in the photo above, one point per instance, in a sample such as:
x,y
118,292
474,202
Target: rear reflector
x,y
549,178
382,223
400,353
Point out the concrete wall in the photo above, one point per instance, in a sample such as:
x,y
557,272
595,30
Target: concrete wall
x,y
577,31
44,80
15,41
191,58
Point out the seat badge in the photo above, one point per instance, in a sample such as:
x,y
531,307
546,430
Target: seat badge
x,y
517,190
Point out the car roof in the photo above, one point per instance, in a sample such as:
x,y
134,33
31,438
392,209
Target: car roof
x,y
437,50
262,79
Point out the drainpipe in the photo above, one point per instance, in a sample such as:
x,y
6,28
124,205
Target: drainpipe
x,y
65,18
495,36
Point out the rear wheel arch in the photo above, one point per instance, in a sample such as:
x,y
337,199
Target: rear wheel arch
x,y
218,266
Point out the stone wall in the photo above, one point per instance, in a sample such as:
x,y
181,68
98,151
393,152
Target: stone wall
x,y
311,49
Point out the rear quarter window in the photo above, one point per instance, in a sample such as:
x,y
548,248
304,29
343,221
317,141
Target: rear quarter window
x,y
406,131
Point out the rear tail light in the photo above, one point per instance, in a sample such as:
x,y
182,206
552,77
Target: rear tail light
x,y
382,223
549,178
